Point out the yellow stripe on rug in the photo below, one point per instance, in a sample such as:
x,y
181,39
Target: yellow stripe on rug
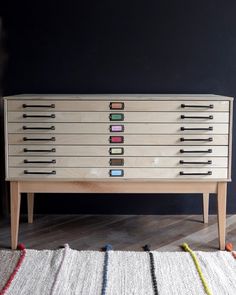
x,y
186,248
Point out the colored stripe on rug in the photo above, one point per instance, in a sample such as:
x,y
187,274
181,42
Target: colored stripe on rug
x,y
152,268
60,268
105,269
20,247
195,260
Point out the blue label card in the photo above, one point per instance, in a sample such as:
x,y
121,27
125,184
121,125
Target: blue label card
x,y
116,172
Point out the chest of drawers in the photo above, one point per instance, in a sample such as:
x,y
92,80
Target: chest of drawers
x,y
117,143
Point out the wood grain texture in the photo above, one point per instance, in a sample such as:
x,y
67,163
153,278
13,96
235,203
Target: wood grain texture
x,y
205,207
124,232
221,204
120,97
142,186
132,151
129,139
132,128
30,203
157,174
15,213
199,162
137,105
129,117
230,138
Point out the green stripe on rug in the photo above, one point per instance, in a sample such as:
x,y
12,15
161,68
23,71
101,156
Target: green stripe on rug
x,y
195,260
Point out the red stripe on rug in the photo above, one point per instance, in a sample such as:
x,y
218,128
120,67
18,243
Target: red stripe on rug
x,y
21,247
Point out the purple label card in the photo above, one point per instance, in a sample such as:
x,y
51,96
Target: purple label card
x,y
116,128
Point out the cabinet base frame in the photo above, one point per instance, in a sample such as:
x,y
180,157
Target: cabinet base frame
x,y
31,187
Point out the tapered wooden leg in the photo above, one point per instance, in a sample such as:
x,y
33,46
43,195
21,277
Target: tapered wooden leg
x,y
30,202
15,213
221,203
205,200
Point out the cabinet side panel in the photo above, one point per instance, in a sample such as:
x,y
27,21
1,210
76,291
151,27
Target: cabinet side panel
x,y
230,138
6,137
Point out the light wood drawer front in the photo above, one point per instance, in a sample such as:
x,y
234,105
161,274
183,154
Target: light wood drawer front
x,y
128,173
91,128
88,139
171,151
73,105
135,117
187,162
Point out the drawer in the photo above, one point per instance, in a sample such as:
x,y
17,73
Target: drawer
x,y
104,105
132,117
163,151
127,139
92,128
127,173
187,162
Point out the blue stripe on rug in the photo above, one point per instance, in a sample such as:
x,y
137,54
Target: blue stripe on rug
x,y
107,248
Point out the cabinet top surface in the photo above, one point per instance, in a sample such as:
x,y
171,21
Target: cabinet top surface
x,y
110,97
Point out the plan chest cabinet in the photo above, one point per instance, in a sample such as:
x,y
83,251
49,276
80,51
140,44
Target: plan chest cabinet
x,y
118,139
101,137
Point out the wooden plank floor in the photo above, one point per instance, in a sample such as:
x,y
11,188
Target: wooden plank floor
x,y
124,232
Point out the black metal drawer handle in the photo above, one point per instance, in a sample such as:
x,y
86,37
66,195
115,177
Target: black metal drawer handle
x,y
39,128
39,139
200,163
196,129
206,151
40,162
197,117
52,106
196,139
195,173
52,116
40,172
210,106
39,151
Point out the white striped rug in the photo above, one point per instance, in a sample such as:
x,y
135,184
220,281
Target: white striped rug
x,y
66,271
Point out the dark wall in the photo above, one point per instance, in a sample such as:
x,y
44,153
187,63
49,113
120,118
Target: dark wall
x,y
122,47
3,186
